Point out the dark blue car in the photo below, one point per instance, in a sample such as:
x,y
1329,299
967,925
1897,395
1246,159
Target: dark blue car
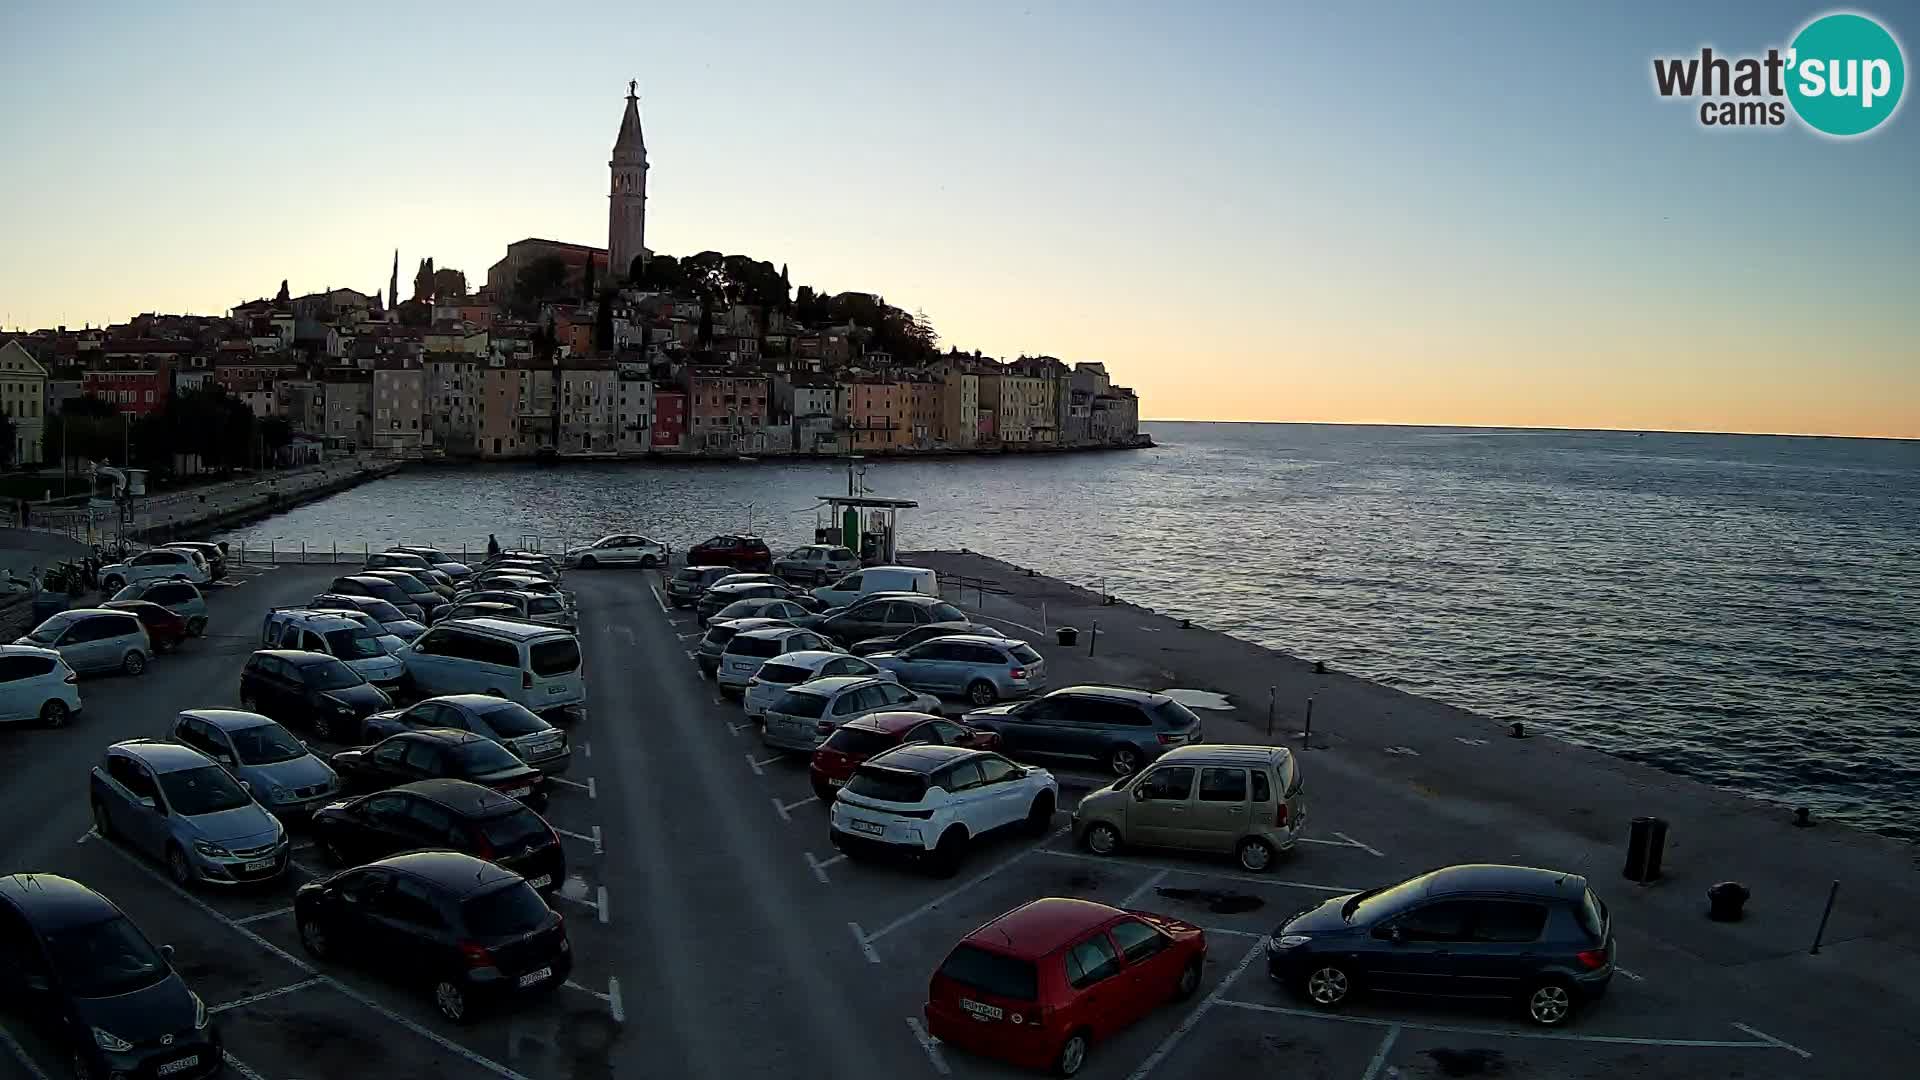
x,y
1537,937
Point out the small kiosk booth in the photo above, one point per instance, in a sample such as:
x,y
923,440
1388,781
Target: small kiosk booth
x,y
864,523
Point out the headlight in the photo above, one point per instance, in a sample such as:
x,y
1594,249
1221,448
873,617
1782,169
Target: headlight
x,y
278,793
1288,941
343,708
199,1011
211,850
110,1042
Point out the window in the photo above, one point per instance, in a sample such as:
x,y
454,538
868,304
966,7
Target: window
x,y
1090,961
410,902
1223,785
1137,940
386,809
1261,791
1444,920
845,705
556,656
1508,921
995,770
428,821
13,668
961,777
1172,783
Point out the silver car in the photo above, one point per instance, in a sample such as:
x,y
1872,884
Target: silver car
x,y
791,669
94,639
508,723
537,607
712,643
803,717
983,669
816,564
178,805
283,775
748,650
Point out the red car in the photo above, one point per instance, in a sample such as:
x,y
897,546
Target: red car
x,y
1038,986
737,550
875,733
164,628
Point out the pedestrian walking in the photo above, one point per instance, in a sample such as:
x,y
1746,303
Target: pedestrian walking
x,y
493,546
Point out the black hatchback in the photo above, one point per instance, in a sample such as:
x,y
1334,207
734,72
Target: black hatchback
x,y
437,753
452,814
310,688
1537,937
78,968
476,934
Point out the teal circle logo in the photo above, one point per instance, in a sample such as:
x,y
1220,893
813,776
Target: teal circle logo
x,y
1846,73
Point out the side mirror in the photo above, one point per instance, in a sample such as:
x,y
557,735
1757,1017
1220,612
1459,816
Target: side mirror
x,y
166,951
149,802
225,759
1392,933
246,786
1140,793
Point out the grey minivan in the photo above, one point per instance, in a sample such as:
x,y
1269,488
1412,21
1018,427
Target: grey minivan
x,y
177,805
94,639
1117,726
283,775
1217,799
984,669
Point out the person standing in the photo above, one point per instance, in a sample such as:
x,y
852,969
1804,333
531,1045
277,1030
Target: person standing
x,y
493,546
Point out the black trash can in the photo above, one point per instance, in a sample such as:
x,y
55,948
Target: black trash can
x,y
1727,901
1646,841
1066,635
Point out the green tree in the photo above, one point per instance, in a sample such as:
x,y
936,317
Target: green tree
x,y
6,439
543,279
603,324
87,427
276,434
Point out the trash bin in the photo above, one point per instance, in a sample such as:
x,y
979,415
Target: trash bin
x,y
1646,841
1066,635
1726,901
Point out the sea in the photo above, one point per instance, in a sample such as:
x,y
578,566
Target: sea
x,y
1740,609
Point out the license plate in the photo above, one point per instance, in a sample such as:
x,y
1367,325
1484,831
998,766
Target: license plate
x,y
542,881
182,1065
258,865
532,977
836,783
519,792
738,666
981,1008
556,689
871,828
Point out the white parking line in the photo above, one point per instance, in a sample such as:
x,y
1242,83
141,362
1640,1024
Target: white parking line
x,y
1145,887
570,783
1764,1037
263,916
20,1054
593,788
1380,1055
239,1066
265,995
819,866
691,655
735,729
928,1044
950,894
785,810
582,837
689,637
88,835
1496,1033
600,902
1193,1018
1373,851
1618,970
586,990
866,943
760,764
305,869
1198,872
586,748
614,1005
664,609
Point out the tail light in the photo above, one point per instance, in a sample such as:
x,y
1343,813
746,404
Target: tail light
x,y
822,727
476,954
1167,739
1592,959
482,846
1280,815
70,676
1018,673
526,680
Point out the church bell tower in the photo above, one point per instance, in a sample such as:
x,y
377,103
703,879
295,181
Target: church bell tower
x,y
627,199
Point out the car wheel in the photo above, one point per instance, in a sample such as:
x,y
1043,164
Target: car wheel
x,y
1254,855
1189,980
55,714
102,824
1550,1003
1123,761
135,663
323,727
648,562
981,692
177,866
1327,985
313,938
951,852
588,562
1072,1055
197,626
451,1000
114,584
1101,838
1040,814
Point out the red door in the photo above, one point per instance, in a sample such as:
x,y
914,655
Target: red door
x,y
1103,996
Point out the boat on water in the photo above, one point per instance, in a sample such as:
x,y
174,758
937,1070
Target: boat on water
x,y
745,458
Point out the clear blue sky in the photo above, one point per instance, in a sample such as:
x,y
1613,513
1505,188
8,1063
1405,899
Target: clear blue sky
x,y
1416,212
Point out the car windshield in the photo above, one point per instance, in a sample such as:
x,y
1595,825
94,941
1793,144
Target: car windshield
x,y
1024,653
131,592
750,645
741,609
689,573
512,720
945,612
105,959
556,656
1377,903
859,742
265,744
1172,714
783,674
49,632
356,644
409,584
544,605
205,790
383,611
809,706
504,912
992,973
331,674
888,785
484,756
720,635
514,830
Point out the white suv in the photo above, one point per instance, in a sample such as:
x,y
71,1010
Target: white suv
x,y
158,563
930,803
36,684
747,651
789,669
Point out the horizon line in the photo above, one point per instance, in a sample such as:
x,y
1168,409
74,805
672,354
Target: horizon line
x,y
1521,427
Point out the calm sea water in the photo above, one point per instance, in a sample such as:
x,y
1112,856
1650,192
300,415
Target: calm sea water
x,y
1741,609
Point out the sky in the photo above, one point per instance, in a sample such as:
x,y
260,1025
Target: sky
x,y
1474,214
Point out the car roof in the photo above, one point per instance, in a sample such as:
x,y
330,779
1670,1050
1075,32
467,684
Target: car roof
x,y
478,702
1497,878
485,605
461,796
29,650
74,613
163,757
451,736
52,902
925,599
751,622
771,632
1114,693
228,719
450,871
513,628
893,723
812,658
135,605
833,684
1228,754
363,578
973,639
321,618
1038,927
296,657
923,757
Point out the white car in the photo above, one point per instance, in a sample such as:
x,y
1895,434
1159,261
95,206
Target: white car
x,y
160,563
37,684
745,652
776,675
930,802
623,549
802,717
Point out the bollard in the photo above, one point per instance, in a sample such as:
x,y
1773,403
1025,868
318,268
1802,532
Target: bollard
x,y
1093,635
1518,730
1646,842
1726,900
1319,667
1270,693
1802,817
1824,915
1043,616
1306,736
273,555
303,552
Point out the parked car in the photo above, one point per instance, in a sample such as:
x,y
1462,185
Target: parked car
x,y
391,618
1540,938
508,723
1039,986
1247,800
439,560
532,607
981,668
80,971
164,629
776,675
909,638
454,814
855,741
156,564
687,583
396,560
719,596
338,636
882,615
441,753
931,803
802,717
714,642
876,579
183,598
389,642
1120,728
483,609
419,591
817,563
621,549
175,804
738,550
215,556
751,578
537,666
496,581
94,639
379,589
746,652
545,566
760,607
312,689
279,770
37,684
474,932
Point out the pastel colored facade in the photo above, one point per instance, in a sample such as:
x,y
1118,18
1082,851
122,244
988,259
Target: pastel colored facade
x,y
958,423
453,399
923,412
136,392
400,408
878,415
497,412
589,389
669,419
635,413
727,409
349,406
23,397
